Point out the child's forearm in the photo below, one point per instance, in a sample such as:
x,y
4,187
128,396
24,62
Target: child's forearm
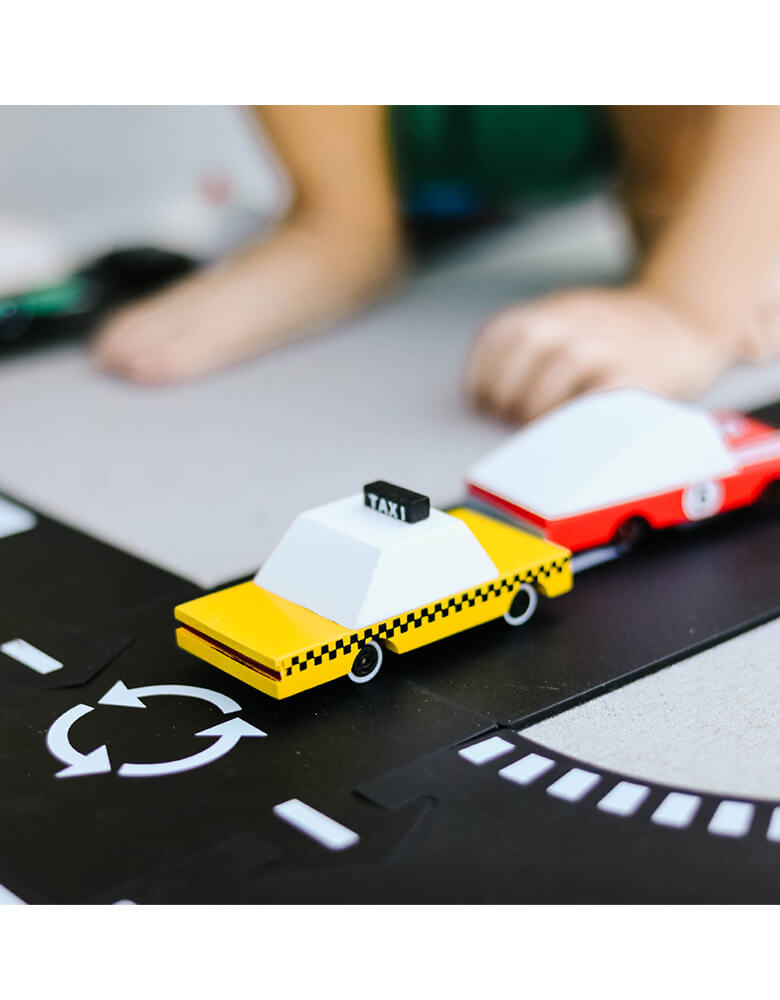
x,y
713,256
312,271
339,245
342,241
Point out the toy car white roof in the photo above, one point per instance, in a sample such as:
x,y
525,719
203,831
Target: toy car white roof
x,y
358,567
604,449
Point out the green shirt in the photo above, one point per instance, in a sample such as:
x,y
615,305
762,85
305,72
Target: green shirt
x,y
455,159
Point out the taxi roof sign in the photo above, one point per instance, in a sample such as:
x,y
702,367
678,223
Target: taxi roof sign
x,y
396,502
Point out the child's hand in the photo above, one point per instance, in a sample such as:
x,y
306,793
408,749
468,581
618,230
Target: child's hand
x,y
301,278
531,357
339,245
203,323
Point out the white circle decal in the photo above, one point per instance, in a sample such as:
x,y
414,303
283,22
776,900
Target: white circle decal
x,y
702,500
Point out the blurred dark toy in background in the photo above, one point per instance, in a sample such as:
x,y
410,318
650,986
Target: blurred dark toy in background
x,y
73,307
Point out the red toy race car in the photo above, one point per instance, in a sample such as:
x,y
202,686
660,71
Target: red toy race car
x,y
608,466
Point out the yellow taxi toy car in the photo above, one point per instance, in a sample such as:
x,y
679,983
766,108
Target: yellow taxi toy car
x,y
355,577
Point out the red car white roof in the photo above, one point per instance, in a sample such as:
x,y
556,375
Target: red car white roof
x,y
603,449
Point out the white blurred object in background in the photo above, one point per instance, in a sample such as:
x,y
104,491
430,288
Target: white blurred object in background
x,y
80,181
31,254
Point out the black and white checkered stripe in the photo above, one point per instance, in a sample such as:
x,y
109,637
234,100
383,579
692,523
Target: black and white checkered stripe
x,y
414,619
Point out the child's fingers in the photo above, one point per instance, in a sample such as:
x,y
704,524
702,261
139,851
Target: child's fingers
x,y
519,373
128,333
510,352
575,365
500,338
490,347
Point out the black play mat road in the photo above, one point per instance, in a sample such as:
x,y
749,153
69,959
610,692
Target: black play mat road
x,y
381,759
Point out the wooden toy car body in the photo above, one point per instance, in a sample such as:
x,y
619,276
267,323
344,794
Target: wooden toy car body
x,y
346,583
605,467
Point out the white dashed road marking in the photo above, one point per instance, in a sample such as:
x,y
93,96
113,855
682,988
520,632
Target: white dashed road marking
x,y
624,799
8,898
526,770
14,519
317,825
677,809
30,656
732,819
486,750
574,785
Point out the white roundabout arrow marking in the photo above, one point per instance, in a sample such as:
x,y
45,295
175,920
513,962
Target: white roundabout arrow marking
x,y
59,745
229,733
126,697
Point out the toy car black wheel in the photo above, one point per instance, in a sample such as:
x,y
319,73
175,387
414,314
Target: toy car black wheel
x,y
632,532
366,664
771,495
524,603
